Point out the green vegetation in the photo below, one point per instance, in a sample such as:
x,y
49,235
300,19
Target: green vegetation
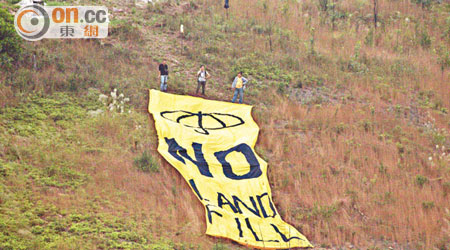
x,y
146,163
421,180
33,116
29,173
27,223
220,246
10,42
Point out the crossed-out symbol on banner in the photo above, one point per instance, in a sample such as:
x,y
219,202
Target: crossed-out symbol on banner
x,y
182,117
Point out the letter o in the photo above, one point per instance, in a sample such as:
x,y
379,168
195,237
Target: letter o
x,y
246,150
61,15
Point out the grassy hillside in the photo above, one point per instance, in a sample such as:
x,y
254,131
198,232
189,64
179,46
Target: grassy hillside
x,y
354,123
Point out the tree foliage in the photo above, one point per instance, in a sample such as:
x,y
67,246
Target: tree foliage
x,y
10,42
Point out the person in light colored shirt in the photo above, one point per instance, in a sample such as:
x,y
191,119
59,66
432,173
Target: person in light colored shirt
x,y
238,87
202,75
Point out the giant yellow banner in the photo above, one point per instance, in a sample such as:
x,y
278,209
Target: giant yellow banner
x,y
211,144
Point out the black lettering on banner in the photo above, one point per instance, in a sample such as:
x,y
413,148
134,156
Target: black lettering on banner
x,y
220,202
192,183
259,197
255,209
237,202
283,237
179,152
239,227
249,226
255,168
210,212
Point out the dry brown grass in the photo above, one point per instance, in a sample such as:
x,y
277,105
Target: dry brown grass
x,y
319,166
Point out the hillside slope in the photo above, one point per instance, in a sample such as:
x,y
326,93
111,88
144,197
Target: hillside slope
x,y
354,124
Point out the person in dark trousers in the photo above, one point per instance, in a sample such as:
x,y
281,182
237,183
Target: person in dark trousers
x,y
163,75
202,75
238,87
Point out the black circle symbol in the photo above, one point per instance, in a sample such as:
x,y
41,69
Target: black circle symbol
x,y
215,121
35,15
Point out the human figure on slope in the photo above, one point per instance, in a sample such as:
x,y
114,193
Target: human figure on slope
x,y
202,75
238,87
163,75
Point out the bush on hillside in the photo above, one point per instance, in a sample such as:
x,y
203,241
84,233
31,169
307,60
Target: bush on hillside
x,y
10,42
220,246
146,163
13,1
426,4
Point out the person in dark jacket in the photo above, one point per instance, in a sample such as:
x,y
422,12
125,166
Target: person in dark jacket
x,y
163,75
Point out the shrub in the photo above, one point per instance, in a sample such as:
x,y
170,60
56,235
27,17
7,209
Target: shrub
x,y
220,246
282,87
146,163
323,5
446,34
124,30
428,204
446,187
355,65
426,4
425,40
310,80
155,8
443,58
10,42
369,40
421,180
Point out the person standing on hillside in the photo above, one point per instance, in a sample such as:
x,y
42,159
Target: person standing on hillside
x,y
238,87
163,75
202,75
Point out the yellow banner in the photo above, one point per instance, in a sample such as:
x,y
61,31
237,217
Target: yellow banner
x,y
211,144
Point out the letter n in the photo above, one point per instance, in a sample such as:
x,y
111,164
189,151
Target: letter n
x,y
180,154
